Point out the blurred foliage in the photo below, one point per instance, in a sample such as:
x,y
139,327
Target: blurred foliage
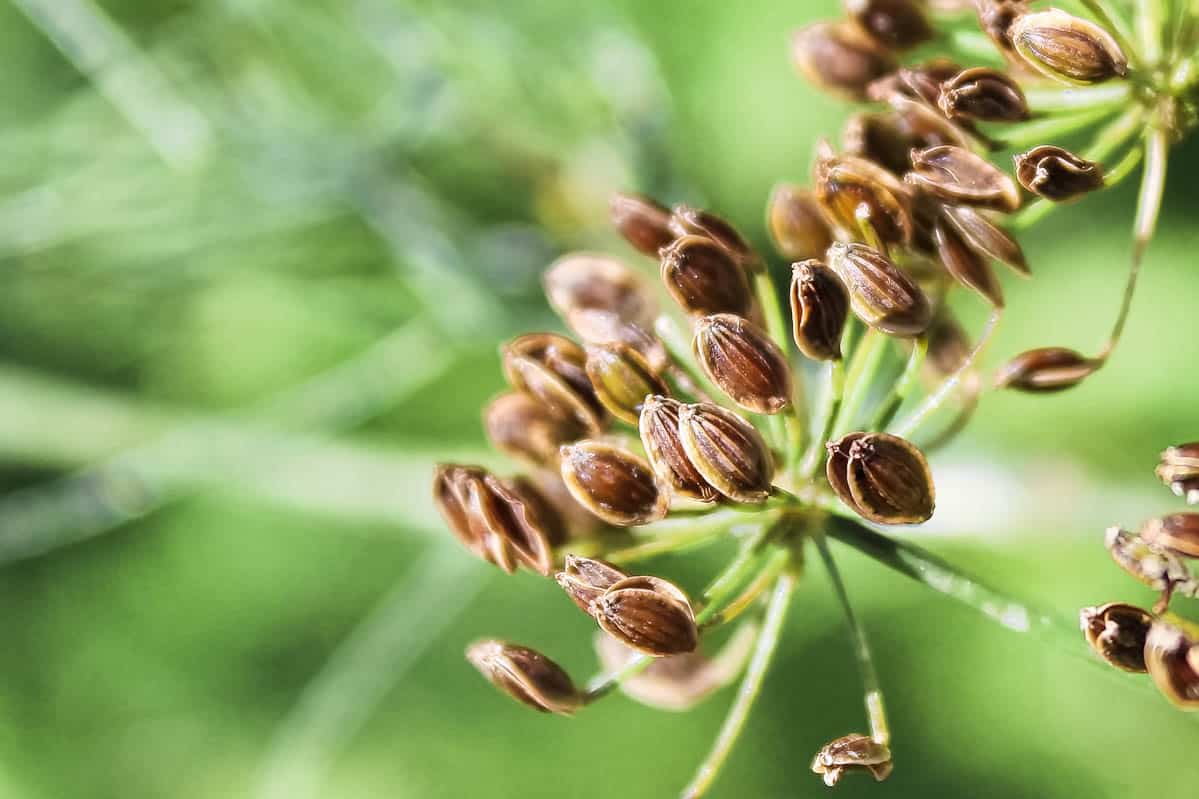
x,y
257,258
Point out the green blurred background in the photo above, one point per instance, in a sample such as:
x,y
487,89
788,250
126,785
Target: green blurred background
x,y
257,257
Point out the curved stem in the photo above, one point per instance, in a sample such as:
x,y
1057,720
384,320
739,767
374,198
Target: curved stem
x,y
1078,97
1150,23
775,563
903,386
1038,131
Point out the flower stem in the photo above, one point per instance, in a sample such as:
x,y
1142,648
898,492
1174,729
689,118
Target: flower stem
x,y
782,426
751,686
834,395
1078,97
867,359
775,563
1150,22
1111,19
1039,131
903,386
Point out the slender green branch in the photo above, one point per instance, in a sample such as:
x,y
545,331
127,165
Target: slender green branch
x,y
679,350
903,386
1042,131
834,395
972,44
867,360
776,562
1150,23
781,425
1078,97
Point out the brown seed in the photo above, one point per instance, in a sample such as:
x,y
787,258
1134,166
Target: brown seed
x,y
584,281
727,451
924,126
585,580
887,478
895,24
744,362
613,484
996,18
1158,568
839,57
1170,656
966,265
1046,370
1179,470
985,237
854,752
622,379
1056,174
880,138
648,614
862,199
880,294
523,427
959,176
797,223
819,310
525,675
643,222
704,279
451,488
1117,631
983,94
1067,48
1178,533
686,221
659,428
552,369
919,82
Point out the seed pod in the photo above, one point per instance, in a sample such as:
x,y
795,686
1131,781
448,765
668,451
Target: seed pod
x,y
552,369
1157,568
983,94
659,428
643,222
959,176
648,614
1178,533
727,451
1066,48
523,427
1172,658
613,484
819,310
747,365
985,237
1117,632
996,18
966,265
924,126
686,221
838,57
919,82
622,379
854,752
862,199
450,494
584,281
585,580
797,223
1046,370
1056,174
880,138
882,478
895,24
1179,470
704,279
880,294
526,675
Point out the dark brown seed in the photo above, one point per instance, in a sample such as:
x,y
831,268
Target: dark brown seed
x,y
836,467
959,176
880,294
648,614
1046,370
622,379
686,221
880,138
983,94
727,451
525,675
966,265
613,484
854,752
704,278
895,24
888,479
985,237
996,18
1117,632
1056,174
744,362
523,427
585,580
1067,48
1172,658
643,222
819,310
659,428
839,57
1179,470
1178,532
863,199
797,224
552,369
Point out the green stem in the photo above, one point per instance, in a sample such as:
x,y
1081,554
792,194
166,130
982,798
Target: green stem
x,y
1041,131
728,580
775,564
780,427
751,686
903,386
1150,16
1078,97
972,43
866,362
834,395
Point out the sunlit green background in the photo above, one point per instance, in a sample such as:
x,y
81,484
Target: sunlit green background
x,y
257,257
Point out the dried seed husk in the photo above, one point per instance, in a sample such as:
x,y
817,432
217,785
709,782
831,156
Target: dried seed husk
x,y
889,480
644,222
450,495
986,237
855,752
727,451
819,310
615,485
983,94
687,221
1157,568
862,199
523,427
622,379
895,24
880,138
880,294
797,223
918,81
584,281
585,580
1179,470
1067,48
1117,632
959,176
526,675
924,126
1170,656
659,429
839,57
648,614
744,362
1046,370
703,278
966,265
519,517
1057,174
552,369
1177,532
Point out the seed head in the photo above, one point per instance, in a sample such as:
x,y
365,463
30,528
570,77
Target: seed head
x,y
585,580
862,198
613,484
1177,533
797,223
1172,658
983,94
985,237
1179,469
959,176
744,362
622,378
659,428
895,24
704,278
525,675
686,221
727,451
855,752
1046,370
551,368
643,222
965,264
819,310
880,294
525,428
1066,48
882,478
1117,631
648,614
1056,174
839,57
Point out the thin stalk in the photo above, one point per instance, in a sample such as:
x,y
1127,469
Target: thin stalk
x,y
773,567
1110,18
751,686
781,426
866,362
679,542
1150,23
1078,97
958,424
720,589
903,386
1039,131
679,350
834,395
872,688
972,43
